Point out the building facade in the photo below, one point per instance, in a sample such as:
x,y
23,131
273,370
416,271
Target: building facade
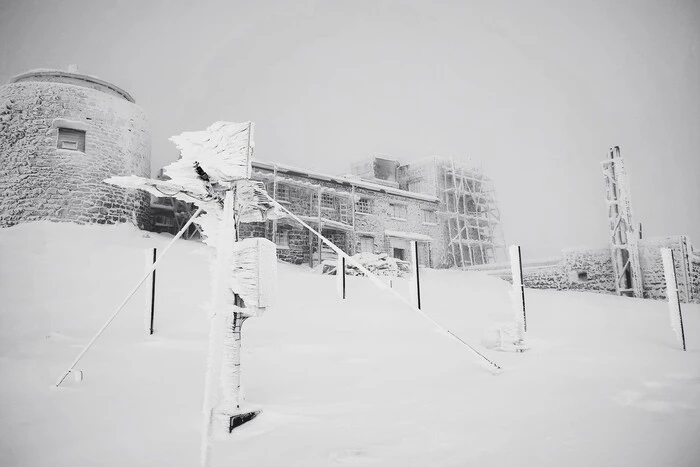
x,y
380,207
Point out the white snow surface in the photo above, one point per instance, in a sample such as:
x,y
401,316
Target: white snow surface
x,y
360,381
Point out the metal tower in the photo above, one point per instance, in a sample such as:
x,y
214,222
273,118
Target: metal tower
x,y
623,232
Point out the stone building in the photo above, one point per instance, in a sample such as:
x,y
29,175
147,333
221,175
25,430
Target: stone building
x,y
356,214
61,134
446,207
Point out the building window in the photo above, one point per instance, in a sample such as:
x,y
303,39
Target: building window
x,y
73,140
364,206
398,211
327,201
164,221
429,216
400,254
282,238
282,193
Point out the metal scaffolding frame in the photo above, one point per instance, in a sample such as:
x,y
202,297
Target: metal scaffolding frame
x,y
471,214
624,235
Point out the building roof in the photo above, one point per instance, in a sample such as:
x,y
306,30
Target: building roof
x,y
45,74
342,180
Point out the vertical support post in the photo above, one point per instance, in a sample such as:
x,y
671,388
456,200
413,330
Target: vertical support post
x,y
231,363
674,303
340,276
274,195
218,321
518,294
354,229
415,287
319,245
151,296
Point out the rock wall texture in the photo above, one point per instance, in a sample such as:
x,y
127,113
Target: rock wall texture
x,y
588,269
653,278
40,181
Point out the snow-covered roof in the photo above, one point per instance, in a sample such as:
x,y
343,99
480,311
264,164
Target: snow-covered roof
x,y
408,235
343,180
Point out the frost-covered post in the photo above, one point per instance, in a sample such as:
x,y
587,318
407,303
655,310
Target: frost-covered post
x,y
674,303
340,276
415,282
518,292
214,171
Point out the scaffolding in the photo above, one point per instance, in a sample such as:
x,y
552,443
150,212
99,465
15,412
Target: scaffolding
x,y
470,213
624,236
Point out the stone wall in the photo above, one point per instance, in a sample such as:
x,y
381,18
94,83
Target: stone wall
x,y
695,279
652,267
588,269
39,181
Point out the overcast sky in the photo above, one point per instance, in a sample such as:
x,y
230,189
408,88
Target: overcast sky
x,y
537,91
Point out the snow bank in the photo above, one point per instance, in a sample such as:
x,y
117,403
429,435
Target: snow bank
x,y
362,380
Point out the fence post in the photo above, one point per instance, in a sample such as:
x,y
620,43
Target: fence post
x,y
674,303
415,287
340,276
516,268
151,297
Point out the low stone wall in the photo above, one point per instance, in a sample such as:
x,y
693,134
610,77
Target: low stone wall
x,y
589,269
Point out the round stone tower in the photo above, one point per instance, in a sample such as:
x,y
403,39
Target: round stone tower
x,y
61,134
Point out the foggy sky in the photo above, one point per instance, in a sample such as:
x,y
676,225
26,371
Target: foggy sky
x,y
535,91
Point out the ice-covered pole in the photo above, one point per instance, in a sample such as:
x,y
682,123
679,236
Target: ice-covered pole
x,y
674,303
219,320
518,292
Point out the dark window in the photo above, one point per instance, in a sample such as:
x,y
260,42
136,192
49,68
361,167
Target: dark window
x,y
399,253
71,139
582,276
364,205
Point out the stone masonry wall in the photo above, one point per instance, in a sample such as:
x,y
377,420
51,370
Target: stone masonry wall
x,y
588,269
39,181
653,278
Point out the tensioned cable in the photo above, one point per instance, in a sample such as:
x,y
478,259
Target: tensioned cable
x,y
378,282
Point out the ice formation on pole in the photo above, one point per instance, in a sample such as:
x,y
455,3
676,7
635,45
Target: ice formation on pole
x,y
518,291
214,172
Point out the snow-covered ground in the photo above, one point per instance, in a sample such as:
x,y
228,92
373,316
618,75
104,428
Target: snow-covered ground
x,y
366,381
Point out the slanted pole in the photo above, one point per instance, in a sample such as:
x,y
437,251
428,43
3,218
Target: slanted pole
x,y
128,297
674,303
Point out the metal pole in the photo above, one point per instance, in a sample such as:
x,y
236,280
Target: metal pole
x,y
153,293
